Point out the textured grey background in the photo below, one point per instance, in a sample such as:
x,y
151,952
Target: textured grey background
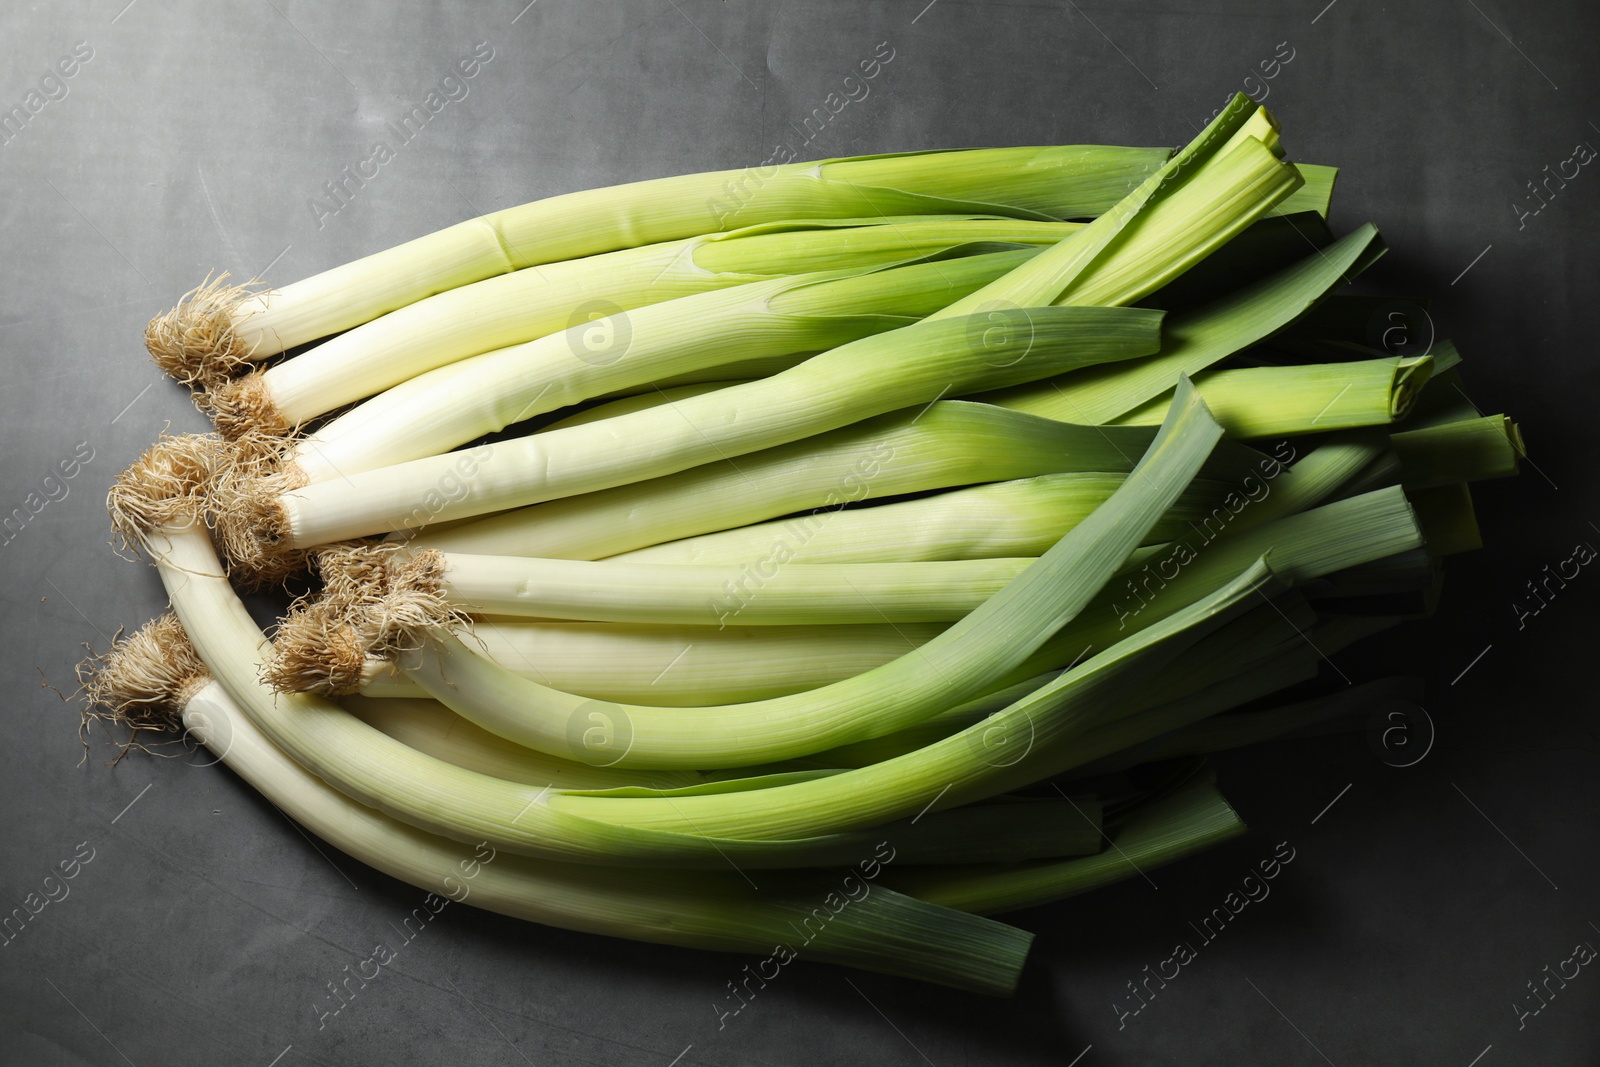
x,y
205,925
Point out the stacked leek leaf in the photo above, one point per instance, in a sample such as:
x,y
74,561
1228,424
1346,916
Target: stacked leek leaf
x,y
913,520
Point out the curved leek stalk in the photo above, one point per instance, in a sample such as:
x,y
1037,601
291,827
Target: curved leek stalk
x,y
430,728
1009,829
960,663
463,804
1053,724
1256,661
882,931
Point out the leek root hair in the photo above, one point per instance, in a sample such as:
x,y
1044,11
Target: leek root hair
x,y
375,604
252,528
356,572
164,487
242,408
196,341
141,683
232,486
316,650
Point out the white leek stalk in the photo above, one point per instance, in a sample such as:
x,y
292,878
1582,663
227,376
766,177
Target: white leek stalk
x,y
784,594
674,665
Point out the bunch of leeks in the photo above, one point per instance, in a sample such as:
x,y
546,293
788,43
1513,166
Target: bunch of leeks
x,y
893,525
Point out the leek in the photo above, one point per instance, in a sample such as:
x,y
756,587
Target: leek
x,y
1162,831
436,411
1257,660
1469,450
675,665
1209,191
880,931
792,594
1281,401
1021,517
561,300
215,328
958,664
949,772
429,793
881,373
949,443
1195,340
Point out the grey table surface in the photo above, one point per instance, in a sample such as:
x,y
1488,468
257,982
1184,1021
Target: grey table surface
x,y
204,926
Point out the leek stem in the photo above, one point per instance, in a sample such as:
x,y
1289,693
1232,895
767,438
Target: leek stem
x,y
958,664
